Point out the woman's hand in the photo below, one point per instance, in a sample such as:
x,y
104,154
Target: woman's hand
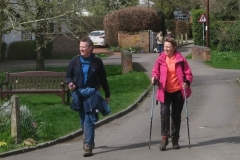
x,y
184,85
154,80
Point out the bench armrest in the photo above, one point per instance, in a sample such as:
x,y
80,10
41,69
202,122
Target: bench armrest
x,y
63,84
2,84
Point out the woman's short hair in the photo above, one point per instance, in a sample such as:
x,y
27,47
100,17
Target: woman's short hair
x,y
172,41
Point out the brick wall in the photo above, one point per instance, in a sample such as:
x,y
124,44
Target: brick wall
x,y
200,52
65,45
133,39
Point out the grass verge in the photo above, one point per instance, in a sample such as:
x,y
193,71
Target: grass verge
x,y
51,119
224,60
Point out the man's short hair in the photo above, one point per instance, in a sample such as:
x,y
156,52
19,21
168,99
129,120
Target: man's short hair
x,y
88,40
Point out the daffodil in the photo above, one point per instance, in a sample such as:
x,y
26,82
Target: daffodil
x,y
3,143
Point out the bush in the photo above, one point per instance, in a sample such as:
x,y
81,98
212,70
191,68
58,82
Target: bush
x,y
131,19
3,49
197,27
230,37
25,50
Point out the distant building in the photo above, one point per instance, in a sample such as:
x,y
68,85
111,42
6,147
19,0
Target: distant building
x,y
182,16
145,3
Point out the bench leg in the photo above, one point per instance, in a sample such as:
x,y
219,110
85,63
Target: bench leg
x,y
63,98
68,96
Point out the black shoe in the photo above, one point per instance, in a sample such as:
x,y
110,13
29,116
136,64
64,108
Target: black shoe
x,y
175,143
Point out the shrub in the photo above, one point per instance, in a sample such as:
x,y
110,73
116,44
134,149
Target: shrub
x,y
197,27
130,19
25,50
3,49
230,38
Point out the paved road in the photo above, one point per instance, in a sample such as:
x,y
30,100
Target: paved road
x,y
214,118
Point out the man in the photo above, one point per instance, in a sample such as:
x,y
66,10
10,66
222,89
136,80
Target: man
x,y
87,70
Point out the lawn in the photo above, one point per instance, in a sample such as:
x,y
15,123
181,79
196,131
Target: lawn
x,y
50,119
224,60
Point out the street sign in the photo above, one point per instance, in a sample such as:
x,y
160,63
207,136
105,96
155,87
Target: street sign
x,y
202,19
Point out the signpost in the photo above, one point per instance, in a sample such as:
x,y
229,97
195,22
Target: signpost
x,y
203,20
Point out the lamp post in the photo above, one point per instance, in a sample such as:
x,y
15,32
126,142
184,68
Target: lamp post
x,y
207,24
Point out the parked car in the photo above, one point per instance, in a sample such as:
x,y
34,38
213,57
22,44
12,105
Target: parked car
x,y
98,38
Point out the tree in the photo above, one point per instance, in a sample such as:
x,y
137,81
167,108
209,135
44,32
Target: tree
x,y
36,16
168,7
102,7
222,9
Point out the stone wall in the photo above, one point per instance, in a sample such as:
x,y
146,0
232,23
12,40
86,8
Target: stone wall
x,y
201,52
65,44
134,39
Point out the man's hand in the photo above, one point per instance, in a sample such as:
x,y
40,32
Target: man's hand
x,y
71,86
107,99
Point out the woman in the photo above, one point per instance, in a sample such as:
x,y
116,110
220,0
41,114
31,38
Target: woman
x,y
173,74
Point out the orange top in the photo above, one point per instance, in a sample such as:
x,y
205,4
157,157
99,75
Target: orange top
x,y
172,84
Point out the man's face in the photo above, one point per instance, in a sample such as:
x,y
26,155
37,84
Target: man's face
x,y
85,49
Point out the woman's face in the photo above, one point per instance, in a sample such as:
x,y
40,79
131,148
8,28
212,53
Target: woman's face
x,y
169,49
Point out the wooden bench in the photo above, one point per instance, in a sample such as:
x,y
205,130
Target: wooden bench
x,y
35,82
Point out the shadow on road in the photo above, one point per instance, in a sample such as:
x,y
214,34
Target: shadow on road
x,y
226,140
130,146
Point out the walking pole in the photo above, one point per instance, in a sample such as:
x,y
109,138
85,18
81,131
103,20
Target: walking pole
x,y
151,115
155,82
186,109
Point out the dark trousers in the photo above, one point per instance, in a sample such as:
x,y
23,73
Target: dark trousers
x,y
177,101
160,48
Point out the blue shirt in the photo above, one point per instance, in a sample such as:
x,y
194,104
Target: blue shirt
x,y
85,67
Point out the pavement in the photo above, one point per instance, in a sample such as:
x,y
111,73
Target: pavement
x,y
212,110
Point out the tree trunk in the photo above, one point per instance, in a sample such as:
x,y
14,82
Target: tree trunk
x,y
1,28
1,52
238,6
40,52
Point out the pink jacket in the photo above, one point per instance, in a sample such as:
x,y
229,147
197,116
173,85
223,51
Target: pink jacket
x,y
160,71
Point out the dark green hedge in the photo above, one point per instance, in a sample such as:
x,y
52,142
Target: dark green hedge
x,y
25,50
223,35
3,49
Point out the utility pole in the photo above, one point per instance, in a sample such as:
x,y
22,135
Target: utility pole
x,y
207,24
1,29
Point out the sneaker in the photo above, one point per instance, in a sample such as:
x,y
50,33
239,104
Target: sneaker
x,y
164,143
87,150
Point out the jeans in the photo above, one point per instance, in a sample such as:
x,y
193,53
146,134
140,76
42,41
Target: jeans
x,y
160,48
87,121
177,101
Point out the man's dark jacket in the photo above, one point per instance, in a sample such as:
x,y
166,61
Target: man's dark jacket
x,y
96,74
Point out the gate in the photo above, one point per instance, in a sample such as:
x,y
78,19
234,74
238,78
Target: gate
x,y
153,41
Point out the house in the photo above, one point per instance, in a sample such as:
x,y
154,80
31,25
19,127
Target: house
x,y
182,16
